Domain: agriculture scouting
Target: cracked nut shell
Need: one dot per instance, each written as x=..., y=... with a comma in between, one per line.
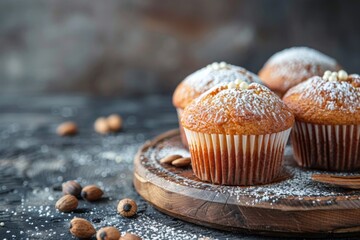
x=108, y=233
x=72, y=188
x=127, y=207
x=91, y=193
x=81, y=228
x=67, y=203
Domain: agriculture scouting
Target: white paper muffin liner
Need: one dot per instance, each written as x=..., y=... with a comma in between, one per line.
x=326, y=147
x=237, y=159
x=182, y=133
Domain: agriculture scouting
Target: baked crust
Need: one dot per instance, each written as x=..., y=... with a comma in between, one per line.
x=320, y=101
x=289, y=67
x=202, y=80
x=252, y=111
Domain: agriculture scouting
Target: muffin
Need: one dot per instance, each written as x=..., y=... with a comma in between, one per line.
x=291, y=66
x=327, y=128
x=204, y=79
x=237, y=134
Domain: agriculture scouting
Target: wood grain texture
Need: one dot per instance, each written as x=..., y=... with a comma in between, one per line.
x=349, y=182
x=162, y=186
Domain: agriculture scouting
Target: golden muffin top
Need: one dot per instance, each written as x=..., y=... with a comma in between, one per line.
x=202, y=80
x=291, y=66
x=333, y=99
x=238, y=108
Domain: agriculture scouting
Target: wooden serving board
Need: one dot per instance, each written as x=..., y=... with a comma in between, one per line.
x=294, y=205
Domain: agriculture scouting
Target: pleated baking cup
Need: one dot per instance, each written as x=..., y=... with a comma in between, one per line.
x=237, y=159
x=182, y=132
x=326, y=147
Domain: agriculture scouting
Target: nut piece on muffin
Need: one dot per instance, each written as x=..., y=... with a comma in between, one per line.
x=237, y=134
x=202, y=80
x=291, y=66
x=326, y=134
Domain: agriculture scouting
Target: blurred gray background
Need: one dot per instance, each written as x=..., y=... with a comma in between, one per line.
x=139, y=47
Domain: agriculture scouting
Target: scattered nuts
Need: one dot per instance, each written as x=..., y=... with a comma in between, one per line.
x=67, y=203
x=238, y=81
x=342, y=75
x=215, y=66
x=176, y=160
x=327, y=73
x=222, y=64
x=67, y=129
x=243, y=85
x=182, y=162
x=130, y=236
x=72, y=188
x=169, y=159
x=114, y=122
x=91, y=193
x=231, y=85
x=108, y=233
x=127, y=207
x=81, y=228
x=101, y=126
x=335, y=76
x=332, y=78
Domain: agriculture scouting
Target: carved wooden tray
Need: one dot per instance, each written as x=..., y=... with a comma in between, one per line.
x=294, y=205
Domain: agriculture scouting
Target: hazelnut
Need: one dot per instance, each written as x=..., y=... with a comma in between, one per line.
x=91, y=193
x=67, y=203
x=108, y=233
x=127, y=207
x=114, y=122
x=72, y=188
x=81, y=228
x=130, y=236
x=101, y=126
x=67, y=129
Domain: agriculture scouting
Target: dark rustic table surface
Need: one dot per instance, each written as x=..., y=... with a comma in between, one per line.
x=34, y=161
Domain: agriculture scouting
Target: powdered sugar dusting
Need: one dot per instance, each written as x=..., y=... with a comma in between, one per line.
x=302, y=55
x=207, y=77
x=300, y=63
x=221, y=105
x=330, y=95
